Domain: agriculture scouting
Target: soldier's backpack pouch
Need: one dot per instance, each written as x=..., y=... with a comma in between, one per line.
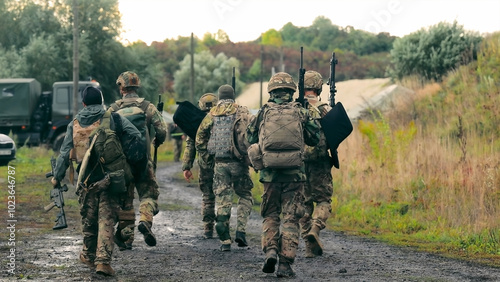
x=117, y=182
x=255, y=156
x=281, y=136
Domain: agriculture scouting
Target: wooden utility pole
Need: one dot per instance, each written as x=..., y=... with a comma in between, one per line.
x=76, y=66
x=261, y=72
x=191, y=77
x=282, y=65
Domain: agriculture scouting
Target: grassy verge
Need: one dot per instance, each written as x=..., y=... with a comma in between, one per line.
x=427, y=175
x=32, y=190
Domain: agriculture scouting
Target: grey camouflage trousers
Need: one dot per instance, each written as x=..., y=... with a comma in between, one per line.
x=206, y=180
x=231, y=178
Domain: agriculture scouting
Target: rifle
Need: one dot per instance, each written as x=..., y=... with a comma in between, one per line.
x=233, y=80
x=302, y=72
x=331, y=80
x=56, y=196
x=159, y=107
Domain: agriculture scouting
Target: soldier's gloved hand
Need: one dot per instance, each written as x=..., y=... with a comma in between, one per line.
x=188, y=175
x=54, y=182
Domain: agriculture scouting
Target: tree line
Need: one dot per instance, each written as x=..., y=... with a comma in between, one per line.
x=36, y=41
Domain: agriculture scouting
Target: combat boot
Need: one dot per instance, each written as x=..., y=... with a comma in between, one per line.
x=104, y=269
x=241, y=239
x=86, y=260
x=225, y=247
x=208, y=231
x=145, y=228
x=270, y=262
x=285, y=270
x=309, y=253
x=313, y=238
x=120, y=243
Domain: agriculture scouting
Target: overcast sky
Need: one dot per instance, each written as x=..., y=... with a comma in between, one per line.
x=245, y=20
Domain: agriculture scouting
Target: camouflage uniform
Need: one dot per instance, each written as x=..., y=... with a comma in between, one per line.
x=283, y=188
x=177, y=135
x=146, y=184
x=98, y=208
x=205, y=181
x=319, y=187
x=231, y=175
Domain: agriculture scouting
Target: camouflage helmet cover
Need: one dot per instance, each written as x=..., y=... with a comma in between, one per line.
x=207, y=101
x=313, y=80
x=128, y=79
x=281, y=80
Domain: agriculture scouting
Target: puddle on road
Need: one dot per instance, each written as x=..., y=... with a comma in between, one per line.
x=57, y=251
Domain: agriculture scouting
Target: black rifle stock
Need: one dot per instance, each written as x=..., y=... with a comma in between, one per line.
x=331, y=80
x=302, y=72
x=159, y=107
x=56, y=196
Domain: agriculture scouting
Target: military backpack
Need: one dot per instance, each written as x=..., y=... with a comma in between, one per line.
x=134, y=109
x=107, y=154
x=281, y=136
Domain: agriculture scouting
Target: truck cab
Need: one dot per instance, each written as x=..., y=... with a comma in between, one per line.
x=24, y=110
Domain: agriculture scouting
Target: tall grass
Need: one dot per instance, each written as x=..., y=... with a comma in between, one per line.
x=430, y=170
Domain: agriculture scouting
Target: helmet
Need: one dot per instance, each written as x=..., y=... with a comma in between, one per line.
x=128, y=79
x=226, y=91
x=281, y=80
x=207, y=101
x=313, y=80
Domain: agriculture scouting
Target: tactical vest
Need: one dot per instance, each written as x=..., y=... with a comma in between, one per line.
x=134, y=109
x=220, y=143
x=81, y=140
x=281, y=136
x=107, y=154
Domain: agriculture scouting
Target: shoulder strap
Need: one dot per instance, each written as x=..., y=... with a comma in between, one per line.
x=106, y=120
x=144, y=104
x=117, y=121
x=116, y=105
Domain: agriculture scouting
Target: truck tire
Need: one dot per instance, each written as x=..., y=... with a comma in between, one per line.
x=56, y=145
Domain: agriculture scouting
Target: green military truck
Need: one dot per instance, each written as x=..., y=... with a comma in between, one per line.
x=34, y=116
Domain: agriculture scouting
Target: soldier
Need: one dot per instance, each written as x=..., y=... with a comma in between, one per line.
x=98, y=202
x=319, y=187
x=176, y=133
x=206, y=174
x=282, y=174
x=215, y=136
x=144, y=116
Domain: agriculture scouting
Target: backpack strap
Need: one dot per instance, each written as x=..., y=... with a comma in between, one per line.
x=117, y=122
x=144, y=104
x=116, y=105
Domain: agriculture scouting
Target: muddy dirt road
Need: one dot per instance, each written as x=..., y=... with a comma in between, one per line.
x=183, y=255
